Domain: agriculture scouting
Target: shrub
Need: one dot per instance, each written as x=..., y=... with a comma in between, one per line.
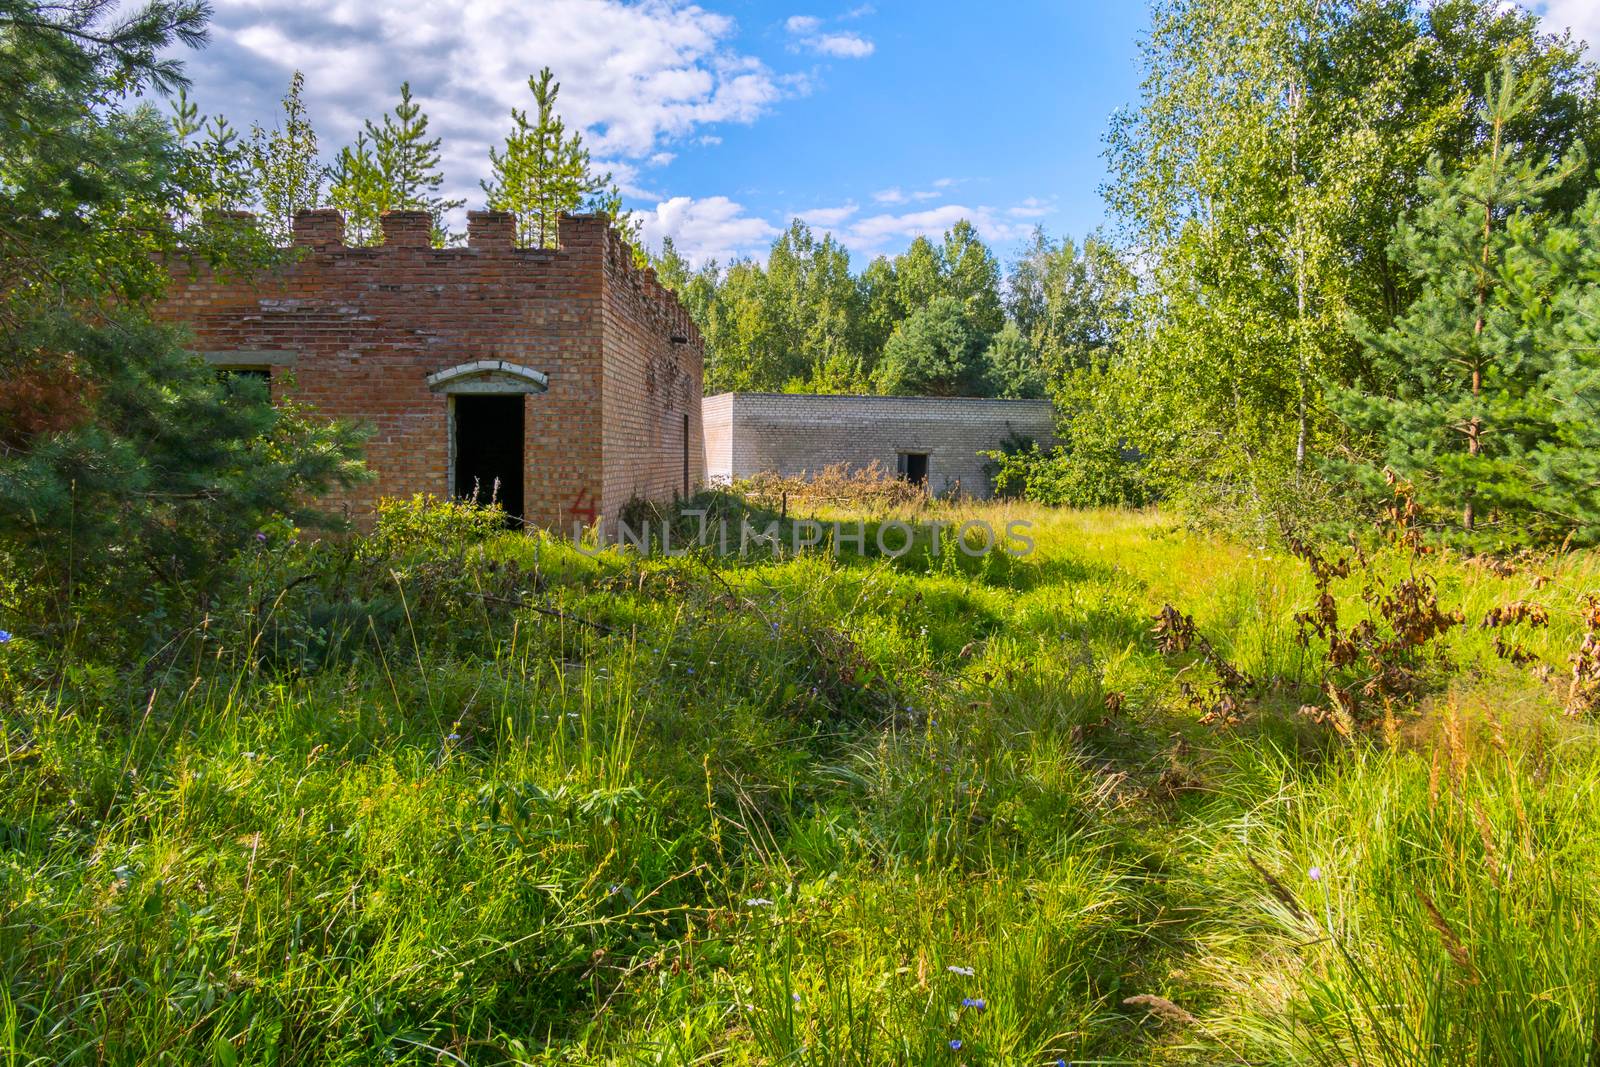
x=1084, y=474
x=425, y=524
x=842, y=484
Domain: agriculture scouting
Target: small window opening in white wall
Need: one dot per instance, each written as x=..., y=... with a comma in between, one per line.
x=913, y=467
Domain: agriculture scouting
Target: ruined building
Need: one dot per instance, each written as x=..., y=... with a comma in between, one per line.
x=934, y=441
x=567, y=382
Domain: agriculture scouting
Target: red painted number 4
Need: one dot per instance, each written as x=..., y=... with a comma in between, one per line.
x=583, y=508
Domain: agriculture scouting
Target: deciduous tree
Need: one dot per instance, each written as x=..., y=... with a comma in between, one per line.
x=288, y=176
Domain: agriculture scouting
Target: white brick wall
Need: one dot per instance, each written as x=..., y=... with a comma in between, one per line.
x=796, y=435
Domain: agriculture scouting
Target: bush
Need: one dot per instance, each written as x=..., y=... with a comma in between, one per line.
x=1082, y=475
x=842, y=484
x=139, y=496
x=427, y=524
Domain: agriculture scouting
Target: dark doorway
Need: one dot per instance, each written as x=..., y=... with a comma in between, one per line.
x=489, y=437
x=914, y=467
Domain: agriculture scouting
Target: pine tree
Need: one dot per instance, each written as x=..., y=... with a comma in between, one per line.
x=216, y=163
x=358, y=187
x=126, y=467
x=1567, y=460
x=409, y=164
x=1013, y=365
x=287, y=175
x=543, y=171
x=935, y=352
x=1464, y=399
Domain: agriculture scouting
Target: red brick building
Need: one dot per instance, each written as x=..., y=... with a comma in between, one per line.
x=568, y=377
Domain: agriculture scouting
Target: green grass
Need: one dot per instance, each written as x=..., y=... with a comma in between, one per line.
x=774, y=812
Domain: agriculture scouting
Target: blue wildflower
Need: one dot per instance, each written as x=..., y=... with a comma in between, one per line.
x=955, y=1044
x=5, y=637
x=975, y=1002
x=796, y=997
x=453, y=737
x=261, y=536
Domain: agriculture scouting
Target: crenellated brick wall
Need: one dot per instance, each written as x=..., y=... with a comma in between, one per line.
x=357, y=333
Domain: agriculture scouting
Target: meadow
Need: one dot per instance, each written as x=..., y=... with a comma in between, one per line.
x=448, y=795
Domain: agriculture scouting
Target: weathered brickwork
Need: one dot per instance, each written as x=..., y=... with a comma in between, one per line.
x=654, y=447
x=359, y=332
x=751, y=433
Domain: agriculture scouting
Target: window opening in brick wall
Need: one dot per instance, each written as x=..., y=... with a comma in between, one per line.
x=488, y=449
x=913, y=467
x=230, y=376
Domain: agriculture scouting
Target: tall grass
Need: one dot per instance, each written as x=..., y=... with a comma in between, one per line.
x=480, y=798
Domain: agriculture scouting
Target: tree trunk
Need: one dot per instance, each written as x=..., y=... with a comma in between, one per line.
x=1480, y=320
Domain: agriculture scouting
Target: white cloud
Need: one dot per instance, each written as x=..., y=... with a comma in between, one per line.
x=721, y=229
x=891, y=232
x=1032, y=208
x=710, y=228
x=896, y=195
x=1581, y=16
x=841, y=45
x=828, y=217
x=636, y=77
x=809, y=36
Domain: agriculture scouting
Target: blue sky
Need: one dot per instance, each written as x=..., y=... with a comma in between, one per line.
x=724, y=119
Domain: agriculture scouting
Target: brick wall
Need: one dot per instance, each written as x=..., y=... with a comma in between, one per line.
x=356, y=332
x=798, y=435
x=654, y=447
x=717, y=415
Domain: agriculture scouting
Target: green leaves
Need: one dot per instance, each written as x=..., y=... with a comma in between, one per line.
x=1469, y=380
x=935, y=352
x=125, y=464
x=358, y=187
x=1273, y=151
x=544, y=171
x=288, y=177
x=393, y=166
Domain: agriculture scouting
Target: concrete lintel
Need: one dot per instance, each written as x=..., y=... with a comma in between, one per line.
x=250, y=357
x=489, y=376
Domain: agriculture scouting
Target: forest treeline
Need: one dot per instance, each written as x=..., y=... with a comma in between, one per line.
x=1352, y=245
